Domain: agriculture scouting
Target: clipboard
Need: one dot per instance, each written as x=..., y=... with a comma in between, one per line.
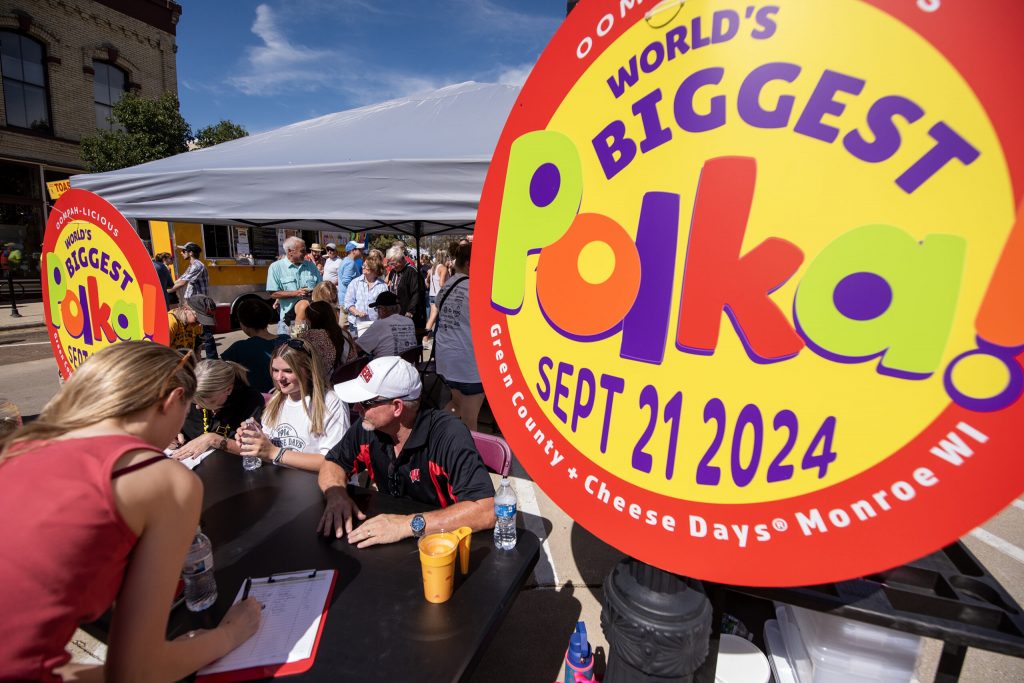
x=289, y=580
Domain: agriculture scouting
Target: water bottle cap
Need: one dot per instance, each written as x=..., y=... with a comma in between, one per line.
x=579, y=648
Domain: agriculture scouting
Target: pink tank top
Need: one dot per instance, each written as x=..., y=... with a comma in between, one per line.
x=65, y=548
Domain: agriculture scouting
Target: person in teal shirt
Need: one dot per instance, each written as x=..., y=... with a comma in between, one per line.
x=291, y=278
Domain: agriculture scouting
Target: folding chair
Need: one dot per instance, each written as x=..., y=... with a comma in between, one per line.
x=349, y=370
x=495, y=453
x=413, y=355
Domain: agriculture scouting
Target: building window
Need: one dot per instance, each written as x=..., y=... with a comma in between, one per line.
x=145, y=234
x=107, y=86
x=23, y=67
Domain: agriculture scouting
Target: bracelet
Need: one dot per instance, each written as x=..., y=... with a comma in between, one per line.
x=280, y=454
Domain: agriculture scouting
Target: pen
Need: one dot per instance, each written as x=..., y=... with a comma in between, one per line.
x=245, y=591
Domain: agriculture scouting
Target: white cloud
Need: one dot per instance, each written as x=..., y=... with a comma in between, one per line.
x=333, y=7
x=278, y=65
x=514, y=75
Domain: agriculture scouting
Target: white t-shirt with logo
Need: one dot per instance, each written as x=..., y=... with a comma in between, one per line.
x=388, y=336
x=292, y=428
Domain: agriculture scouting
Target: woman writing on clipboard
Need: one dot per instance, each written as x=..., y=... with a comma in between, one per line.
x=94, y=512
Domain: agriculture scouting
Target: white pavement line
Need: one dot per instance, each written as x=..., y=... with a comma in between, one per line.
x=534, y=522
x=11, y=346
x=1019, y=504
x=1005, y=547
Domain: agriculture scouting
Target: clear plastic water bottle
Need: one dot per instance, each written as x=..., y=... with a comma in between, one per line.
x=200, y=585
x=249, y=462
x=505, y=511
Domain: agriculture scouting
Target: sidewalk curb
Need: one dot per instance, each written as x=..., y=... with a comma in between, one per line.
x=22, y=326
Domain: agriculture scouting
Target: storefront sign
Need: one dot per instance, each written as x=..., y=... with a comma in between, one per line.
x=99, y=283
x=57, y=188
x=745, y=282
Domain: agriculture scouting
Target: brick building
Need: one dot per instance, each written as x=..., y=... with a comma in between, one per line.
x=63, y=64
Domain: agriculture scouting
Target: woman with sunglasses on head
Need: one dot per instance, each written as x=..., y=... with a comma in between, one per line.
x=96, y=515
x=304, y=418
x=222, y=402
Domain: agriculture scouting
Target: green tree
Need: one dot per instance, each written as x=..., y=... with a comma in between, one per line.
x=148, y=130
x=218, y=133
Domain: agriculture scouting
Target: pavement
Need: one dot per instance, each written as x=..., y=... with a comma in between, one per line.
x=32, y=316
x=566, y=585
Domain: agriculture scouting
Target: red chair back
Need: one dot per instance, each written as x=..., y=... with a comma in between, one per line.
x=495, y=453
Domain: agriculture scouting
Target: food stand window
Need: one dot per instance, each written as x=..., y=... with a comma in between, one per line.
x=22, y=65
x=226, y=241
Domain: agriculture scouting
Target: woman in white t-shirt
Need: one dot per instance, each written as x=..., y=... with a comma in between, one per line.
x=304, y=418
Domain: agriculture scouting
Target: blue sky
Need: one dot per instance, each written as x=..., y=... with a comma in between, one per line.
x=267, y=64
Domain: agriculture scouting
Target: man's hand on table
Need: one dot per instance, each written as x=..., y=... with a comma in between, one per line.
x=197, y=446
x=381, y=529
x=340, y=513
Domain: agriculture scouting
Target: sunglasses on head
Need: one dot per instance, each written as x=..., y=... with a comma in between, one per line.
x=296, y=344
x=187, y=359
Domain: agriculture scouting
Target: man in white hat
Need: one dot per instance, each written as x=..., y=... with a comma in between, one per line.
x=420, y=453
x=332, y=261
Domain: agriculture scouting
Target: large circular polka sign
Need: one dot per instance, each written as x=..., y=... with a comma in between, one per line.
x=747, y=282
x=99, y=283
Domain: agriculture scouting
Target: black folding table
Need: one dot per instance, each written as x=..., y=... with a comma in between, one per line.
x=379, y=626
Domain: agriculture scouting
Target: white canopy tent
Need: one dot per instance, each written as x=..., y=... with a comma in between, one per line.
x=414, y=165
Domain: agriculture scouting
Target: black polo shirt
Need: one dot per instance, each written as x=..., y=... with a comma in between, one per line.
x=439, y=464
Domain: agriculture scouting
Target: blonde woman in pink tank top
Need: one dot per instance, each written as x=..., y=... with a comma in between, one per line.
x=95, y=513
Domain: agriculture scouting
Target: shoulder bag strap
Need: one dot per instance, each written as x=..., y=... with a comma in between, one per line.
x=440, y=303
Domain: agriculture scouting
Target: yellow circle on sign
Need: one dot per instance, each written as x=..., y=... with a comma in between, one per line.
x=808, y=192
x=596, y=262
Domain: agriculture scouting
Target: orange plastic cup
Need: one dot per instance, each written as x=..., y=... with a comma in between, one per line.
x=437, y=559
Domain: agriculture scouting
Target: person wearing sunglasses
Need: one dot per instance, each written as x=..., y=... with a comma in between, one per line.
x=408, y=451
x=94, y=515
x=303, y=419
x=291, y=278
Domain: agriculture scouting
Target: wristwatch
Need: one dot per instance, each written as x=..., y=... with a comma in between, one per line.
x=418, y=526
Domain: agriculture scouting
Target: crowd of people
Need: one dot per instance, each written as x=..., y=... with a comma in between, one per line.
x=333, y=299
x=98, y=452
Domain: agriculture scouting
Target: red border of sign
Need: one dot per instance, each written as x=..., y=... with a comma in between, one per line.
x=971, y=39
x=128, y=242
